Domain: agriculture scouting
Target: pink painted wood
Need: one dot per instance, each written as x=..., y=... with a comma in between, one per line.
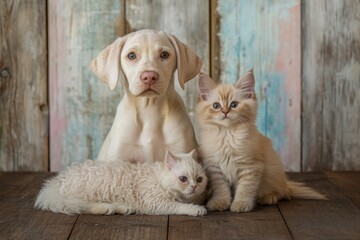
x=266, y=35
x=81, y=107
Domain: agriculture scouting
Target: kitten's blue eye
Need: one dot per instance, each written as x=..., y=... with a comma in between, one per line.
x=216, y=105
x=183, y=179
x=131, y=56
x=234, y=104
x=199, y=179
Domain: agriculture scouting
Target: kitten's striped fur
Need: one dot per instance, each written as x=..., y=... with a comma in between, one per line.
x=242, y=166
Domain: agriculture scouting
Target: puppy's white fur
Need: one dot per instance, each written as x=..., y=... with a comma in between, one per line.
x=149, y=118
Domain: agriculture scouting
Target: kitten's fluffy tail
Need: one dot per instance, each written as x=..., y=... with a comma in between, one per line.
x=49, y=198
x=298, y=190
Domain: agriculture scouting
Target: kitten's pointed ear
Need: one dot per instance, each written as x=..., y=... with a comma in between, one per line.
x=246, y=84
x=206, y=84
x=193, y=154
x=170, y=161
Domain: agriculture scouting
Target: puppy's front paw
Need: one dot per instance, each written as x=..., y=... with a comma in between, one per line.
x=218, y=204
x=241, y=206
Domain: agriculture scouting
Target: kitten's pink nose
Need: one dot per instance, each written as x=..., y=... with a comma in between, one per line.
x=194, y=186
x=149, y=77
x=225, y=112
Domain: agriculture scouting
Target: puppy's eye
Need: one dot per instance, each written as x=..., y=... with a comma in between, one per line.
x=216, y=105
x=183, y=179
x=164, y=55
x=131, y=56
x=199, y=179
x=234, y=104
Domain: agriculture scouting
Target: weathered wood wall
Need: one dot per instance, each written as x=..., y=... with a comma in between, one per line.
x=331, y=85
x=305, y=54
x=265, y=35
x=23, y=86
x=81, y=107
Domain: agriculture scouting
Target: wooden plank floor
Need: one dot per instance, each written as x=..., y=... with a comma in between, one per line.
x=338, y=218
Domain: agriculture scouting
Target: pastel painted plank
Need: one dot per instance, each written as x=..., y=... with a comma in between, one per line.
x=331, y=83
x=82, y=108
x=265, y=35
x=23, y=86
x=189, y=21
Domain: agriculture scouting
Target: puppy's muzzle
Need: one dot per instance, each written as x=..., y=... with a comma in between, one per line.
x=149, y=77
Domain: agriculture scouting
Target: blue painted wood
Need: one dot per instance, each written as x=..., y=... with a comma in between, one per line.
x=265, y=35
x=82, y=107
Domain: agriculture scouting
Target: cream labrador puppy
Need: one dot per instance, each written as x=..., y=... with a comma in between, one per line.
x=151, y=117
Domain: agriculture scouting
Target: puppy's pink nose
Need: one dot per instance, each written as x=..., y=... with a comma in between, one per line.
x=149, y=77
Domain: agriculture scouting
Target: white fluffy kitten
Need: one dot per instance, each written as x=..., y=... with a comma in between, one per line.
x=94, y=187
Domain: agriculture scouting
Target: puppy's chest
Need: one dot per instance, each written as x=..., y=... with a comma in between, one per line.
x=147, y=136
x=149, y=142
x=151, y=134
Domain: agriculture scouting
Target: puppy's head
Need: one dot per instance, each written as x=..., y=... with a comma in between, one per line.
x=146, y=61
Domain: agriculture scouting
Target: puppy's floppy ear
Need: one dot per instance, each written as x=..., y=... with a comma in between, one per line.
x=107, y=65
x=187, y=62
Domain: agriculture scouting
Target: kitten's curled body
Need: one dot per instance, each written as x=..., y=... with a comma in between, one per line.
x=126, y=188
x=241, y=163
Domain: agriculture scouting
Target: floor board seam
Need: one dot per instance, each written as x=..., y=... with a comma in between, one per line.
x=168, y=226
x=287, y=226
x=72, y=229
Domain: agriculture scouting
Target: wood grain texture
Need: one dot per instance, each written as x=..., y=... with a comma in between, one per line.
x=348, y=182
x=19, y=219
x=82, y=108
x=215, y=59
x=266, y=35
x=262, y=223
x=189, y=21
x=23, y=86
x=12, y=183
x=337, y=218
x=231, y=36
x=120, y=227
x=331, y=83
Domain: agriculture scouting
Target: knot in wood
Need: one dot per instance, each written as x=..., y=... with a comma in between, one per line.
x=4, y=73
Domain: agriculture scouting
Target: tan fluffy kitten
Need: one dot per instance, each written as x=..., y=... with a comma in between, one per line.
x=240, y=161
x=172, y=186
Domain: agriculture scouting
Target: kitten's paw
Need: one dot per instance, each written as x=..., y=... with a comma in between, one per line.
x=218, y=204
x=241, y=206
x=101, y=209
x=124, y=210
x=268, y=199
x=200, y=211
